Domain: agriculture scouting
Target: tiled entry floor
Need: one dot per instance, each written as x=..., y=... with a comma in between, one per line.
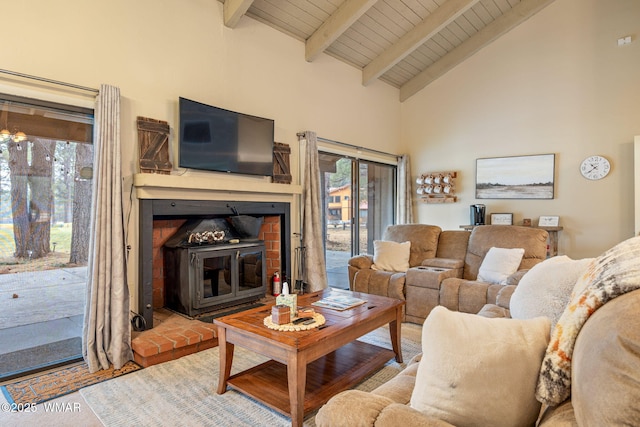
x=41, y=316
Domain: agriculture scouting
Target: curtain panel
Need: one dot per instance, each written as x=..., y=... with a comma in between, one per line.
x=106, y=333
x=404, y=207
x=312, y=238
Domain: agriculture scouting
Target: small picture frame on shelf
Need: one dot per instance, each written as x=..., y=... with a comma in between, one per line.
x=548, y=221
x=501, y=219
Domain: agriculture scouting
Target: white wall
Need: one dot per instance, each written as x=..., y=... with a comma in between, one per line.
x=559, y=84
x=158, y=50
x=636, y=180
x=556, y=84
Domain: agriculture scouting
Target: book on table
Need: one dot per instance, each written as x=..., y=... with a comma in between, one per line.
x=339, y=302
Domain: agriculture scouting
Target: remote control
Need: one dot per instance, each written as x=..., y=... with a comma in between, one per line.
x=301, y=319
x=308, y=322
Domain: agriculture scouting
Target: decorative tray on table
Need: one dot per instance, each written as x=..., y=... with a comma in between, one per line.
x=319, y=321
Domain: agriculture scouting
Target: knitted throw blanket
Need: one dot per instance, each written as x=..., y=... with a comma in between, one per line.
x=614, y=273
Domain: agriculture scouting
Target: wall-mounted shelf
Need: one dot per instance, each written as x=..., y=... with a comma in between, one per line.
x=437, y=187
x=438, y=198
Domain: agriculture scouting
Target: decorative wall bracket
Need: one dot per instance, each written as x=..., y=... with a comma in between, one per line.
x=281, y=164
x=437, y=187
x=153, y=140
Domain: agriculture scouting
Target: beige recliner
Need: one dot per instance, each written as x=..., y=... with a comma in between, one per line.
x=424, y=244
x=466, y=293
x=456, y=257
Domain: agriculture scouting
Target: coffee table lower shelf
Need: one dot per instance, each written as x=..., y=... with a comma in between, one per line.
x=326, y=377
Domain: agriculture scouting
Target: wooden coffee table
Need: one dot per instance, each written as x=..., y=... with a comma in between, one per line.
x=308, y=367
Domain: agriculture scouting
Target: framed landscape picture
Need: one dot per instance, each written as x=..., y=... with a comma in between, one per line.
x=517, y=177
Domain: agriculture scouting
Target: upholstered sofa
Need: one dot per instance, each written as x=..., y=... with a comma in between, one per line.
x=566, y=353
x=605, y=387
x=443, y=267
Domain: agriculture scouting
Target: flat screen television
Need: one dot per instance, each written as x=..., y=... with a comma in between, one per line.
x=216, y=139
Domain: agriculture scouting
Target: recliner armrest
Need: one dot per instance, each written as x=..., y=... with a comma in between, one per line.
x=503, y=299
x=515, y=278
x=443, y=263
x=361, y=261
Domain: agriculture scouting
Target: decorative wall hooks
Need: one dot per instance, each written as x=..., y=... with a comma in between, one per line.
x=437, y=187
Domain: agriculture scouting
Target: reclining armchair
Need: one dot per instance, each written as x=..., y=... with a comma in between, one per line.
x=467, y=293
x=424, y=244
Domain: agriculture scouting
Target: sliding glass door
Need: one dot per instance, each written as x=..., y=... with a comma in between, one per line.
x=359, y=203
x=46, y=167
x=376, y=201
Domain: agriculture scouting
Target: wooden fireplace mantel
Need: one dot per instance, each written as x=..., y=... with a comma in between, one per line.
x=158, y=186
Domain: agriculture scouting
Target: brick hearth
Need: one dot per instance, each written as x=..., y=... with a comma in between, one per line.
x=172, y=337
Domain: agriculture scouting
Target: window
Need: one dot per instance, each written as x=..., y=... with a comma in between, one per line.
x=352, y=228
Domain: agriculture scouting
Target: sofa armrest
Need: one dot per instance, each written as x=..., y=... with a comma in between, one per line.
x=379, y=282
x=443, y=263
x=467, y=296
x=351, y=407
x=515, y=278
x=361, y=261
x=396, y=415
x=504, y=296
x=494, y=311
x=356, y=264
x=359, y=408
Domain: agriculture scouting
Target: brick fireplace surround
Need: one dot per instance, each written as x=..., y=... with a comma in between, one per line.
x=169, y=335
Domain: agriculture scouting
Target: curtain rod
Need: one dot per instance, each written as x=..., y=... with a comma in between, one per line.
x=344, y=144
x=55, y=82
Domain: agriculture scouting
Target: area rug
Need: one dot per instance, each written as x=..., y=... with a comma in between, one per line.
x=59, y=382
x=183, y=391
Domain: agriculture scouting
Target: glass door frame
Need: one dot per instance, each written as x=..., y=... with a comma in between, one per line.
x=355, y=216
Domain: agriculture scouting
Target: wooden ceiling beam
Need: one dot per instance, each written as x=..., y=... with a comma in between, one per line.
x=506, y=22
x=415, y=38
x=233, y=10
x=348, y=13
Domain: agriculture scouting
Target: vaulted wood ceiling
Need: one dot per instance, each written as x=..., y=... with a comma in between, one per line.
x=405, y=43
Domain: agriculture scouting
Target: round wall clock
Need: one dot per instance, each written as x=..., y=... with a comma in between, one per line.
x=595, y=167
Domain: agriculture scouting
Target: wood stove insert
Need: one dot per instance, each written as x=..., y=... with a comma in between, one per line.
x=203, y=278
x=152, y=209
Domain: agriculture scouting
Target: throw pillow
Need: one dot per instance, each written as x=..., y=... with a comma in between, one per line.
x=478, y=371
x=614, y=273
x=498, y=264
x=391, y=256
x=546, y=288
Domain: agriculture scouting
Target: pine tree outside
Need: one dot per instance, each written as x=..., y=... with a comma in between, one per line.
x=45, y=186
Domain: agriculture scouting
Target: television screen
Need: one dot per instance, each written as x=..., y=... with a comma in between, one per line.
x=216, y=139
